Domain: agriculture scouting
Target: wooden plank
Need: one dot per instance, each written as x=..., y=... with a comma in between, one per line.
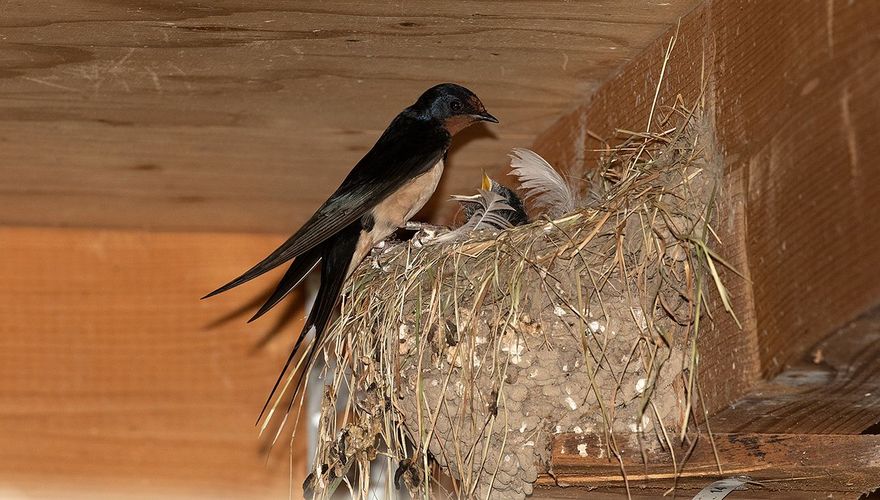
x=728, y=358
x=781, y=462
x=117, y=381
x=792, y=101
x=639, y=493
x=833, y=389
x=165, y=114
x=804, y=137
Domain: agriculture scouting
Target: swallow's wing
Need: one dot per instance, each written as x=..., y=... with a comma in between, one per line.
x=408, y=148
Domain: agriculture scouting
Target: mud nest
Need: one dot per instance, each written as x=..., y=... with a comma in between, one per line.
x=459, y=362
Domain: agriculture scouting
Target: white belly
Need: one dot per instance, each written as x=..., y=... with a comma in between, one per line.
x=396, y=210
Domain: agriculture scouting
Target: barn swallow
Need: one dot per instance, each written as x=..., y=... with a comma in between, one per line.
x=516, y=216
x=381, y=193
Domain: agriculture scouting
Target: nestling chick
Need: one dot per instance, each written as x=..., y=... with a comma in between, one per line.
x=515, y=215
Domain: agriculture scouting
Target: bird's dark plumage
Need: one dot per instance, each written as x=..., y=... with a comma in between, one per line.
x=383, y=190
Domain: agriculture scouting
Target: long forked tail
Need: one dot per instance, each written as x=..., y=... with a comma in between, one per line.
x=336, y=255
x=288, y=250
x=295, y=274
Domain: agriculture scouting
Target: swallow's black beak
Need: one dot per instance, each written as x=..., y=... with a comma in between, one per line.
x=486, y=117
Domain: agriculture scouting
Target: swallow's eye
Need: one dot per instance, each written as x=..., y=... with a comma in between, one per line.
x=455, y=106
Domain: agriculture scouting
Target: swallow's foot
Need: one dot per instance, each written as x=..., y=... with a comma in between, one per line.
x=377, y=252
x=425, y=236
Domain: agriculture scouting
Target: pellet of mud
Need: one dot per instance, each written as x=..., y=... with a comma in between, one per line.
x=550, y=390
x=516, y=392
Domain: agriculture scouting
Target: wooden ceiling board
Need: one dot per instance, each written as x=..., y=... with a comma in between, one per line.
x=244, y=115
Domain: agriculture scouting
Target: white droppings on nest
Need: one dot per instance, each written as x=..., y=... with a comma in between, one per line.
x=405, y=344
x=642, y=426
x=596, y=327
x=477, y=362
x=504, y=279
x=639, y=316
x=514, y=346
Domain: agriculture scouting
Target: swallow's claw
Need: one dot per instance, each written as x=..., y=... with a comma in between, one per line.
x=424, y=236
x=377, y=252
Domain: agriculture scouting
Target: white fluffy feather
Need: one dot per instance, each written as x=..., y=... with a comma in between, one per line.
x=541, y=183
x=488, y=216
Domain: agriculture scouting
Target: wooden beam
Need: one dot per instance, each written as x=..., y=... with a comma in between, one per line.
x=244, y=115
x=792, y=101
x=833, y=389
x=117, y=381
x=781, y=462
x=640, y=493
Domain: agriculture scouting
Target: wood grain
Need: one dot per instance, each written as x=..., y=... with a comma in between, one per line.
x=729, y=362
x=792, y=100
x=780, y=461
x=640, y=493
x=244, y=115
x=116, y=381
x=805, y=139
x=833, y=389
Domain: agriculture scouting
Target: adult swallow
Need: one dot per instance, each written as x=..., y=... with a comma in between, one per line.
x=382, y=192
x=516, y=216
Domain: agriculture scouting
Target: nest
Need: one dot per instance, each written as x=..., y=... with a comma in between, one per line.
x=459, y=362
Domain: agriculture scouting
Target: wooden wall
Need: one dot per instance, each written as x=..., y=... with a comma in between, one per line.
x=792, y=100
x=791, y=92
x=115, y=380
x=243, y=115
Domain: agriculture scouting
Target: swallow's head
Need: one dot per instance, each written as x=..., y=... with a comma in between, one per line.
x=454, y=106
